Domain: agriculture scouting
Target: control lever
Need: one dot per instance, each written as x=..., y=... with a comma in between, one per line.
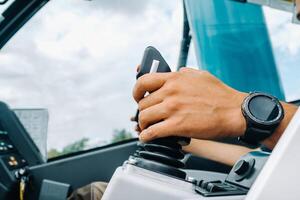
x=163, y=155
x=153, y=62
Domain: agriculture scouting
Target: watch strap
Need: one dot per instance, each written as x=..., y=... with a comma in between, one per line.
x=253, y=136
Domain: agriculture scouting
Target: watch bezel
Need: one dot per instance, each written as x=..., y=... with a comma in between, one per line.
x=246, y=111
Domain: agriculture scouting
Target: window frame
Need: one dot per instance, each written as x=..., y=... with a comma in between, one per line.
x=16, y=16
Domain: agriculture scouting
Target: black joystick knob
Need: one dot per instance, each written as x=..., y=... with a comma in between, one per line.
x=241, y=167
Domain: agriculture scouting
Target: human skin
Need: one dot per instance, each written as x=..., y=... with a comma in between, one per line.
x=193, y=103
x=224, y=153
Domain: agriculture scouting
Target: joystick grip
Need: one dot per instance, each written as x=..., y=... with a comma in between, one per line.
x=162, y=155
x=154, y=62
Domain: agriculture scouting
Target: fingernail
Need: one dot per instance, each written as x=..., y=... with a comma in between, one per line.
x=144, y=135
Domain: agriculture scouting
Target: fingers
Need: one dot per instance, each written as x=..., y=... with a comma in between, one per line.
x=152, y=115
x=152, y=99
x=158, y=130
x=137, y=129
x=149, y=83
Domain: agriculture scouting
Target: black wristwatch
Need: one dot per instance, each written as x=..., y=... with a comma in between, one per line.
x=263, y=113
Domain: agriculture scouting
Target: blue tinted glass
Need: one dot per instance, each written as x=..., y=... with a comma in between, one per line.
x=232, y=42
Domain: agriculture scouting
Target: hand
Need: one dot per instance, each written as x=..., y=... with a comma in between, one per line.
x=136, y=128
x=188, y=103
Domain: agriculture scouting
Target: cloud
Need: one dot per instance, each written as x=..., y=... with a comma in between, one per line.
x=78, y=58
x=79, y=62
x=131, y=7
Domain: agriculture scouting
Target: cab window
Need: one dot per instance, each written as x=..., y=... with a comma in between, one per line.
x=78, y=59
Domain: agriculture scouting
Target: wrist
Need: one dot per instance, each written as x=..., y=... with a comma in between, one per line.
x=234, y=121
x=241, y=124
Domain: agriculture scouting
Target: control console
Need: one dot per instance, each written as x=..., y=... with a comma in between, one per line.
x=17, y=150
x=147, y=184
x=240, y=178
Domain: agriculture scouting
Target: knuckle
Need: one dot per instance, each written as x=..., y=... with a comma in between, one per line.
x=173, y=77
x=148, y=77
x=178, y=121
x=169, y=88
x=140, y=82
x=171, y=105
x=184, y=69
x=164, y=112
x=134, y=91
x=152, y=133
x=206, y=73
x=140, y=86
x=141, y=105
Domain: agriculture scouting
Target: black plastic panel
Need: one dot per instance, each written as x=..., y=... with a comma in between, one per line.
x=17, y=150
x=80, y=170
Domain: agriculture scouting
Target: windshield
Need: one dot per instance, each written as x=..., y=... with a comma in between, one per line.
x=78, y=59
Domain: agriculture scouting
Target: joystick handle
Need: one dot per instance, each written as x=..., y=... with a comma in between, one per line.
x=163, y=155
x=153, y=62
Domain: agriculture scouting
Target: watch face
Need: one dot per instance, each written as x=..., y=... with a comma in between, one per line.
x=264, y=109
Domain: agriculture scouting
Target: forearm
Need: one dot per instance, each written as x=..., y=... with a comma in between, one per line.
x=289, y=111
x=224, y=153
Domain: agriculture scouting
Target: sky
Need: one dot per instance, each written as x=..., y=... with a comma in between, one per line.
x=78, y=59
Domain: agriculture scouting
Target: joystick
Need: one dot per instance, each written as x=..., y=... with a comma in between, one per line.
x=155, y=170
x=163, y=155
